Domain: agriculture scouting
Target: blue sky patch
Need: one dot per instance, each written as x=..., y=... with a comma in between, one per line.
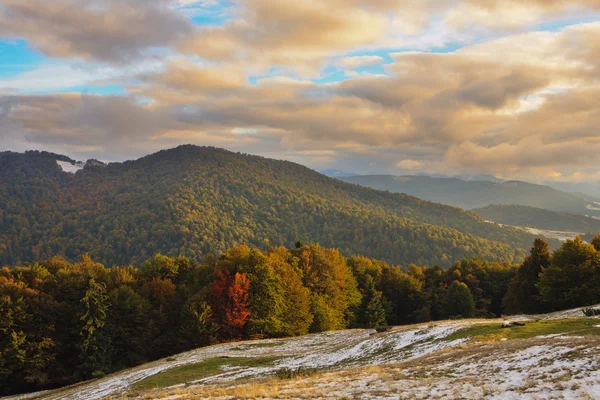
x=209, y=14
x=104, y=90
x=16, y=57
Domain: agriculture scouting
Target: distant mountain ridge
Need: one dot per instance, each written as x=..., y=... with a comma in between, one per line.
x=336, y=173
x=194, y=200
x=478, y=194
x=539, y=218
x=584, y=190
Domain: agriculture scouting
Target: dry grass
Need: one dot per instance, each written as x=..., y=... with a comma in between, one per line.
x=379, y=380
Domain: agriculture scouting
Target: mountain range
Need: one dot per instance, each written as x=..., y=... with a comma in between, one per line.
x=198, y=200
x=478, y=194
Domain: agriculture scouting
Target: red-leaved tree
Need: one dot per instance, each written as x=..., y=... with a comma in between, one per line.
x=230, y=300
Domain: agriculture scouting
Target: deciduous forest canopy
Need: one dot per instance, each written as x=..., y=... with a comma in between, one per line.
x=196, y=200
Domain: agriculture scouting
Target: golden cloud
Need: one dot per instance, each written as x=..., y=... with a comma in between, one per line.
x=522, y=103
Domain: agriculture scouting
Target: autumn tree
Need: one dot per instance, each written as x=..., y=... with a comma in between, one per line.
x=230, y=300
x=296, y=317
x=160, y=266
x=334, y=291
x=596, y=242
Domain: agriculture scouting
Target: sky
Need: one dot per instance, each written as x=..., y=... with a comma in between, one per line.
x=509, y=88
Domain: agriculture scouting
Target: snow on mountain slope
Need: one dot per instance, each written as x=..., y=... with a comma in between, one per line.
x=70, y=168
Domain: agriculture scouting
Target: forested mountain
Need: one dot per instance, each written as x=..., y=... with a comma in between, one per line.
x=196, y=200
x=477, y=194
x=538, y=218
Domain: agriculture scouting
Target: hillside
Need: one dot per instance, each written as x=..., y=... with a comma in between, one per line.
x=196, y=200
x=477, y=194
x=550, y=356
x=538, y=218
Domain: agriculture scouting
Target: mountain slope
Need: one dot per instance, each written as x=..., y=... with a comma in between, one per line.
x=477, y=194
x=195, y=200
x=538, y=218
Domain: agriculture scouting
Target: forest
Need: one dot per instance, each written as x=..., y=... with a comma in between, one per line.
x=63, y=322
x=196, y=200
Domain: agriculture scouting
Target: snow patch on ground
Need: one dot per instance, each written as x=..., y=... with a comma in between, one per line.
x=353, y=349
x=594, y=207
x=551, y=234
x=534, y=369
x=394, y=346
x=559, y=235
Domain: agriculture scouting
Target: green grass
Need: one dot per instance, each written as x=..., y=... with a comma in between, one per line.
x=572, y=326
x=194, y=372
x=274, y=343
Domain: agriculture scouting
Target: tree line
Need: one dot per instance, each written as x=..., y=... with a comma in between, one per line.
x=63, y=322
x=567, y=278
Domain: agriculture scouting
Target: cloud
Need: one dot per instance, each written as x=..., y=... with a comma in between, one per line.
x=200, y=80
x=115, y=31
x=529, y=152
x=12, y=135
x=516, y=103
x=306, y=34
x=354, y=62
x=303, y=33
x=411, y=164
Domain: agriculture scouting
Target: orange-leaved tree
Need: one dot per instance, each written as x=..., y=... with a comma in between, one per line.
x=230, y=300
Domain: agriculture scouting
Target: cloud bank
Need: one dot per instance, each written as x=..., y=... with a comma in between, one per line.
x=507, y=88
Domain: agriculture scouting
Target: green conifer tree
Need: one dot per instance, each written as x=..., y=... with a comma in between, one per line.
x=373, y=313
